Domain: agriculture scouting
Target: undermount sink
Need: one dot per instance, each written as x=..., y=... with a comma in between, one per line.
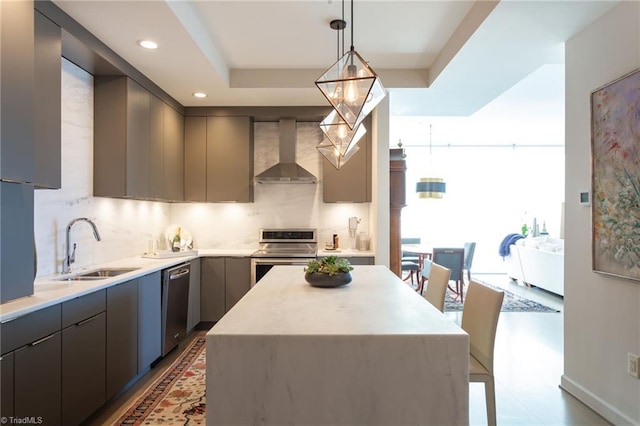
x=99, y=274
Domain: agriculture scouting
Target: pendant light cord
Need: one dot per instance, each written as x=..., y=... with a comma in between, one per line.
x=352, y=48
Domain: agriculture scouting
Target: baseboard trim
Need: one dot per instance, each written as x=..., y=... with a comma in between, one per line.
x=597, y=404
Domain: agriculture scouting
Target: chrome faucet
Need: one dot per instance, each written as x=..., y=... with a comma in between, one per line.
x=71, y=256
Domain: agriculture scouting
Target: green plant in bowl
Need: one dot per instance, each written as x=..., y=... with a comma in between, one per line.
x=328, y=272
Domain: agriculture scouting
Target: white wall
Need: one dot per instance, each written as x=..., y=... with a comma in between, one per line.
x=127, y=225
x=602, y=314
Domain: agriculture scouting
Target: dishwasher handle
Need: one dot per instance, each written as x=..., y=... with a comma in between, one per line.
x=175, y=274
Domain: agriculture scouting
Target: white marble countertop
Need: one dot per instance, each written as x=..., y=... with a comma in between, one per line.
x=50, y=290
x=345, y=252
x=372, y=352
x=284, y=303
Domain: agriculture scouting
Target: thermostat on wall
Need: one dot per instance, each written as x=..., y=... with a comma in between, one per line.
x=584, y=198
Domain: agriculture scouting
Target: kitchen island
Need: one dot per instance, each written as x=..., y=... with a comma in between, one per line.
x=372, y=352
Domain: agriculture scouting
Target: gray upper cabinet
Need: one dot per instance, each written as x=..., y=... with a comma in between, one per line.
x=156, y=147
x=352, y=183
x=48, y=96
x=17, y=94
x=138, y=143
x=173, y=154
x=195, y=158
x=230, y=159
x=219, y=159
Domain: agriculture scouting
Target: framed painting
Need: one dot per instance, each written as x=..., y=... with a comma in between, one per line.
x=615, y=177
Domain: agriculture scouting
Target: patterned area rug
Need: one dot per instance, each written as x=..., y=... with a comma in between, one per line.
x=177, y=397
x=511, y=303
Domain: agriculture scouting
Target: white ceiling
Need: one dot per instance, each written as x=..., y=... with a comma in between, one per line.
x=435, y=57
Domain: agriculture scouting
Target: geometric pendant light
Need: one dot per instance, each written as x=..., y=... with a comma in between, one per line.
x=351, y=86
x=339, y=134
x=332, y=153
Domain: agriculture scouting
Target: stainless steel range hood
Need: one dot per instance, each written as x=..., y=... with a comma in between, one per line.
x=286, y=170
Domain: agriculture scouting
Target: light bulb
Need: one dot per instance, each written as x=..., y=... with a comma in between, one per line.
x=342, y=131
x=351, y=94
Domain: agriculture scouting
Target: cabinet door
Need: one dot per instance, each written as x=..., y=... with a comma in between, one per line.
x=193, y=316
x=6, y=384
x=173, y=154
x=360, y=260
x=149, y=320
x=352, y=183
x=122, y=335
x=16, y=241
x=137, y=152
x=17, y=94
x=109, y=136
x=48, y=95
x=230, y=159
x=237, y=279
x=212, y=289
x=156, y=148
x=83, y=368
x=195, y=158
x=38, y=380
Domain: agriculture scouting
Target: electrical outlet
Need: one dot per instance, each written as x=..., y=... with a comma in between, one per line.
x=632, y=365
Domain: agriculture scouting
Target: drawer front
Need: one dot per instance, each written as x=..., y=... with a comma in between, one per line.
x=83, y=307
x=29, y=328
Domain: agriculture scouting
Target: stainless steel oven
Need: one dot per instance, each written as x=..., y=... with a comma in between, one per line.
x=283, y=247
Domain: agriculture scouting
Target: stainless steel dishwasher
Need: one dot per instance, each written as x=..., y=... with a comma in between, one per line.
x=175, y=302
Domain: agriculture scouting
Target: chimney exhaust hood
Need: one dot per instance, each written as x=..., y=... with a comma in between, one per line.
x=286, y=170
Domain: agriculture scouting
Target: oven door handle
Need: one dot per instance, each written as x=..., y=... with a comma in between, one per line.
x=261, y=261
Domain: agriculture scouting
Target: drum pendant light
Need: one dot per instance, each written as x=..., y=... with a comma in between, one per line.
x=351, y=86
x=431, y=187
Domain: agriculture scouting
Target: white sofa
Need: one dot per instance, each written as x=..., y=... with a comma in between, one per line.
x=539, y=262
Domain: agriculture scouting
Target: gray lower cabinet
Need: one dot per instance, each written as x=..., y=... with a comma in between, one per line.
x=237, y=279
x=6, y=384
x=16, y=241
x=212, y=289
x=31, y=355
x=359, y=260
x=38, y=380
x=84, y=322
x=224, y=281
x=352, y=183
x=122, y=335
x=149, y=320
x=193, y=314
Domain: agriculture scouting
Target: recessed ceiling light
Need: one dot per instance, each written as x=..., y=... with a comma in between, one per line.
x=200, y=95
x=148, y=44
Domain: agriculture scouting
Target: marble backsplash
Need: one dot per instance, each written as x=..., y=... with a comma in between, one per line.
x=126, y=225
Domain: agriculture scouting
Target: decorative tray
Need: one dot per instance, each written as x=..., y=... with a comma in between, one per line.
x=164, y=254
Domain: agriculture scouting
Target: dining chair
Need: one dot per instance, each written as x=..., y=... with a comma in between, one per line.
x=437, y=285
x=453, y=259
x=469, y=249
x=410, y=261
x=480, y=320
